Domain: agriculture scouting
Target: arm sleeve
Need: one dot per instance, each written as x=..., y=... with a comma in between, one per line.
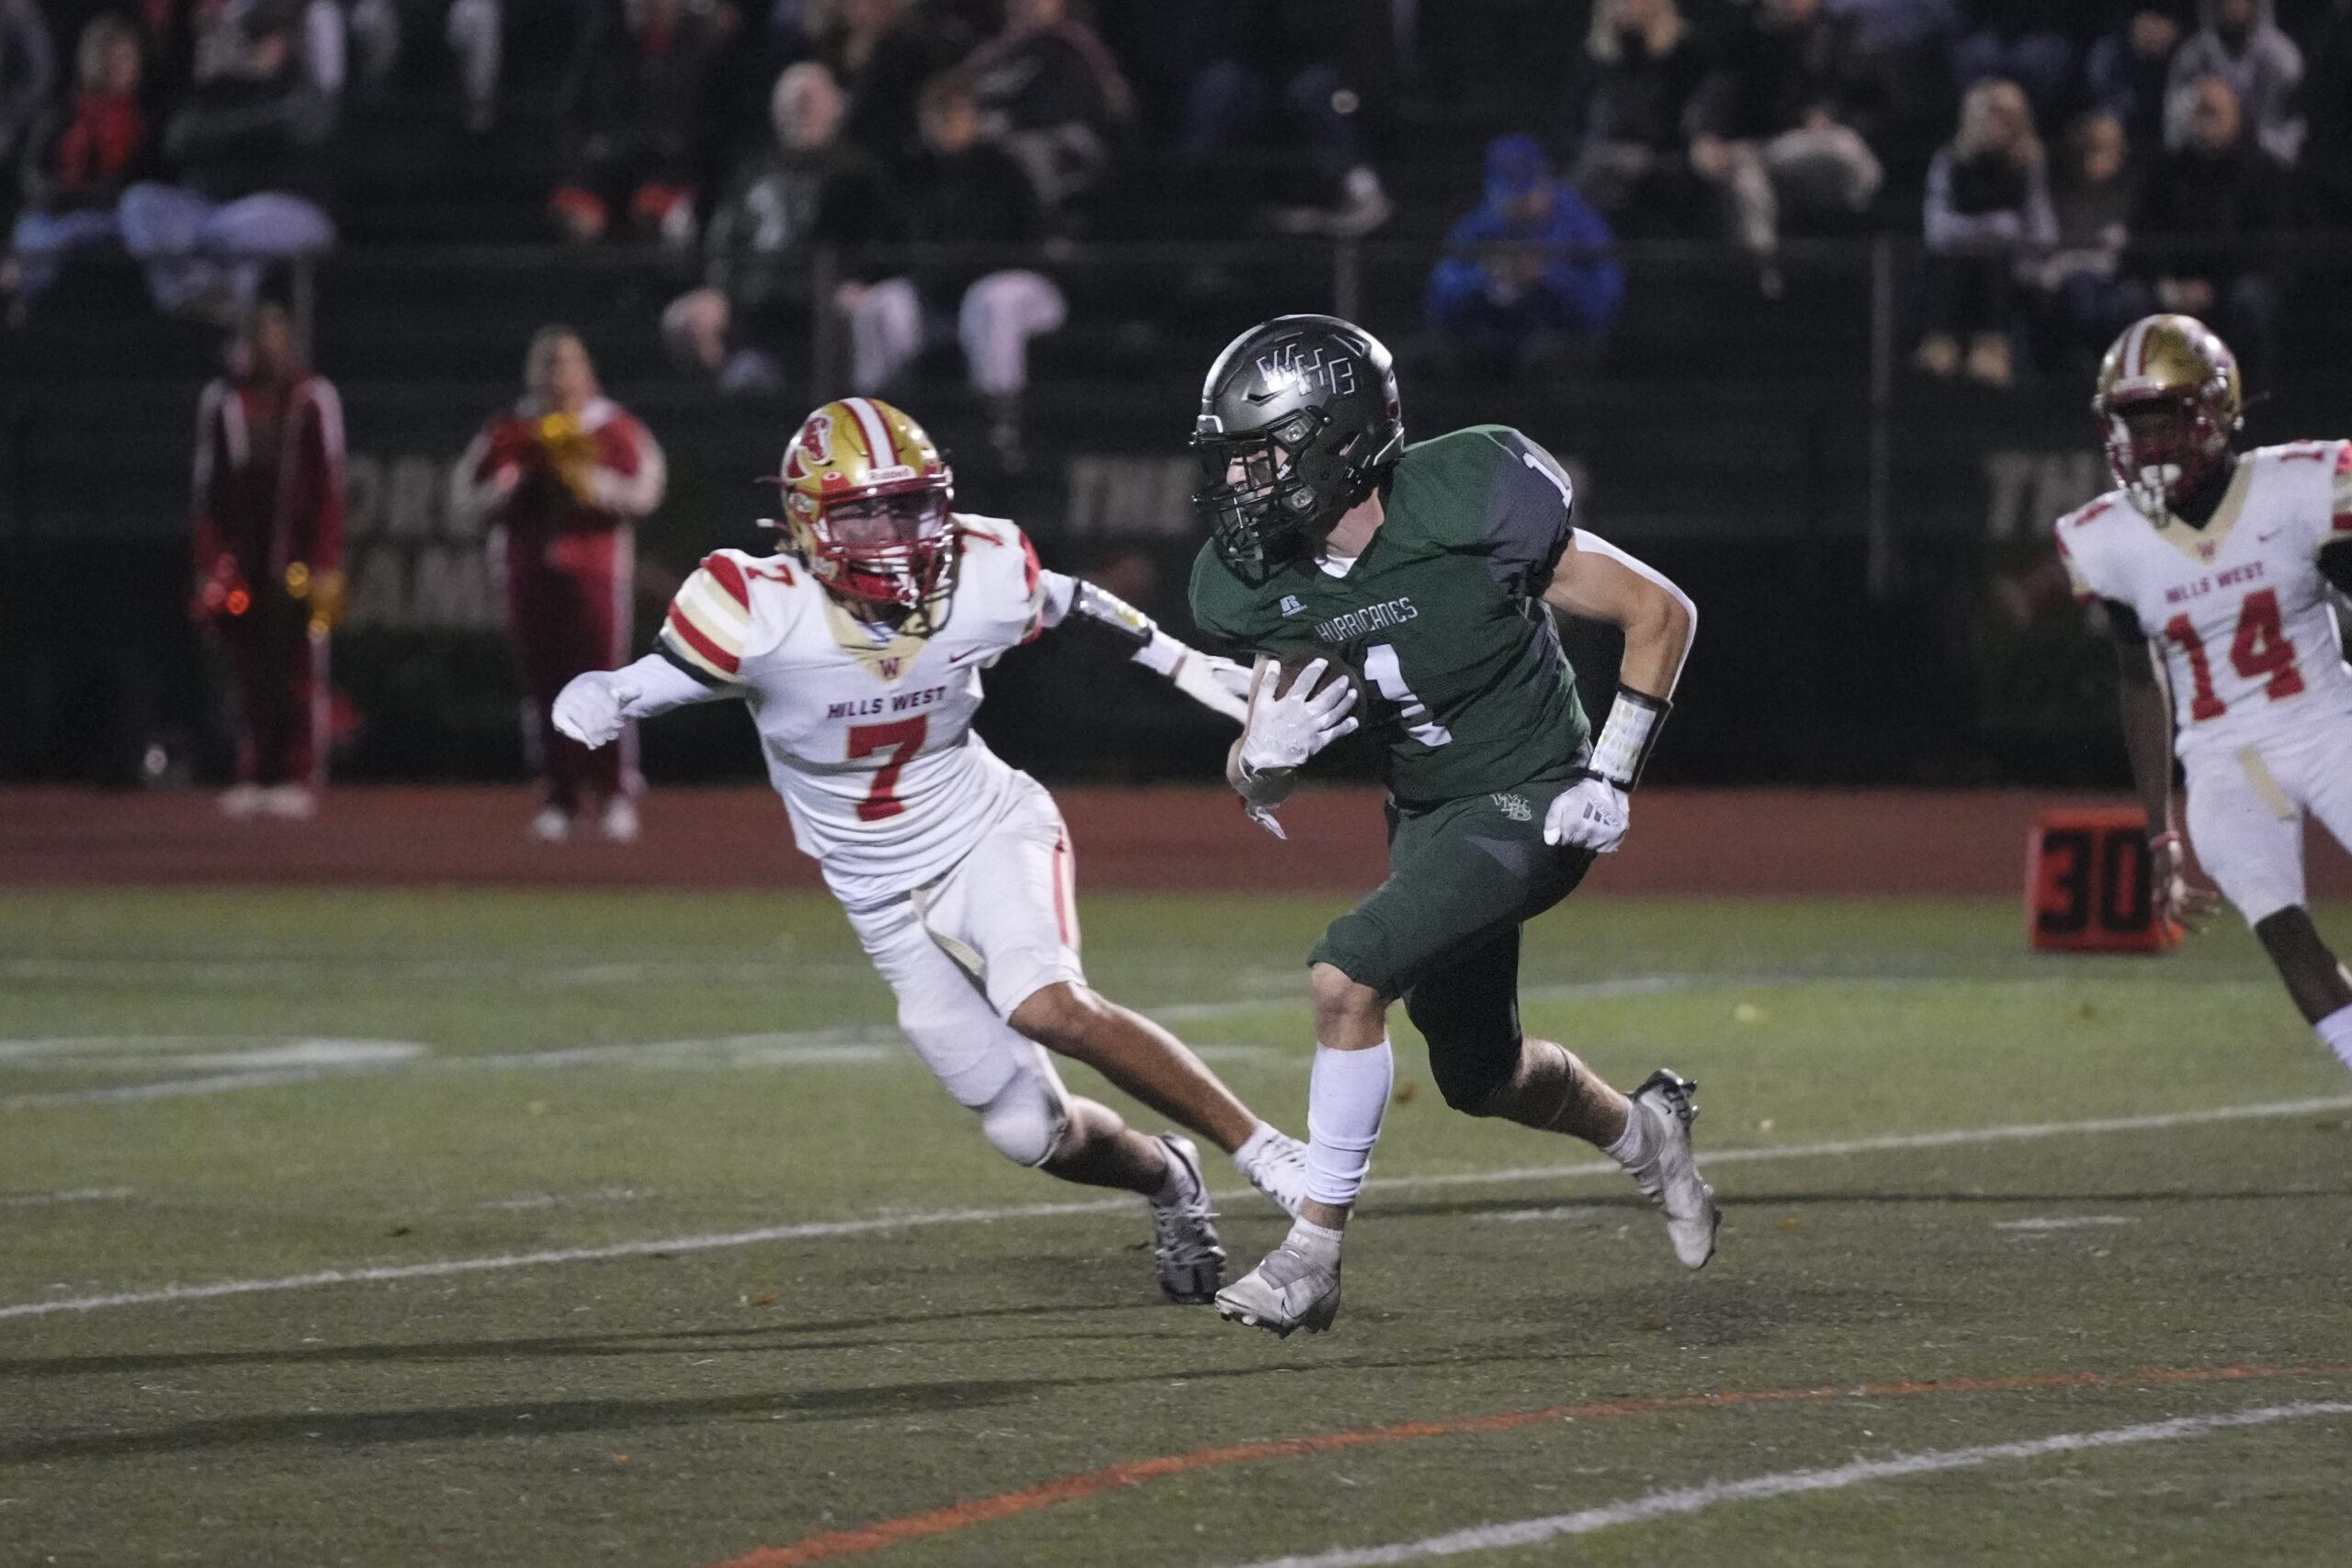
x=631, y=473
x=1530, y=509
x=664, y=683
x=710, y=622
x=2123, y=621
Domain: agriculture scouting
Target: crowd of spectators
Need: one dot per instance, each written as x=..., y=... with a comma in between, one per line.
x=2066, y=163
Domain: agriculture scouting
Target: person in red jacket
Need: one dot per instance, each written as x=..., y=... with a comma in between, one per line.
x=269, y=558
x=562, y=475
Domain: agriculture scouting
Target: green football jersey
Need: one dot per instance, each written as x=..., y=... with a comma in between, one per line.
x=1442, y=616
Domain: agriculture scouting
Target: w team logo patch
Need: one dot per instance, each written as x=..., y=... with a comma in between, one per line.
x=1515, y=807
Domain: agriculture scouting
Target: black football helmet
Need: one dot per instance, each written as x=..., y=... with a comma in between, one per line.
x=1298, y=422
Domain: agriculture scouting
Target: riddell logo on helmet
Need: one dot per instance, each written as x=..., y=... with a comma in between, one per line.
x=1286, y=370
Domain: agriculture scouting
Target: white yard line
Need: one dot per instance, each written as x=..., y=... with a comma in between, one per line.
x=1111, y=1205
x=1698, y=1499
x=78, y=1195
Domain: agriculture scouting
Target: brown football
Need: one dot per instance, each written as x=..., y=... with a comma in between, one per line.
x=1291, y=661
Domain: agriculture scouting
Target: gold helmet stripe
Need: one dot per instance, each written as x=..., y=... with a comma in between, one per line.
x=880, y=450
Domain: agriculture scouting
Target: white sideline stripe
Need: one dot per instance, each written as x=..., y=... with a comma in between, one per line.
x=2063, y=1223
x=1900, y=1140
x=77, y=1195
x=561, y=1255
x=1696, y=1499
x=1109, y=1205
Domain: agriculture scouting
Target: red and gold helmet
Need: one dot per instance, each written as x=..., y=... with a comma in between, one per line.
x=865, y=498
x=2168, y=402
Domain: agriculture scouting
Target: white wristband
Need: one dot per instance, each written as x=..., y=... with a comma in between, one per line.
x=1625, y=740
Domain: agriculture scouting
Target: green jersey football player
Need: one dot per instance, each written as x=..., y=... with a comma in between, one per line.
x=1429, y=571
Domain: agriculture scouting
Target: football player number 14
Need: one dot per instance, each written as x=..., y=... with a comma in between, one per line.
x=901, y=739
x=2260, y=649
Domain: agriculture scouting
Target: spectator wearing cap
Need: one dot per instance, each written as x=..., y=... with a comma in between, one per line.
x=1628, y=105
x=1303, y=55
x=638, y=113
x=881, y=58
x=808, y=187
x=965, y=190
x=1987, y=213
x=1051, y=95
x=2243, y=46
x=1528, y=280
x=1779, y=126
x=2129, y=69
x=2200, y=227
x=79, y=161
x=252, y=144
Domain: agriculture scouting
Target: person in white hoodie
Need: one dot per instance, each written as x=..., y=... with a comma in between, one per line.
x=2241, y=42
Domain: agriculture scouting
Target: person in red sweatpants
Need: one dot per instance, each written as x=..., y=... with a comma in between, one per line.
x=561, y=476
x=269, y=546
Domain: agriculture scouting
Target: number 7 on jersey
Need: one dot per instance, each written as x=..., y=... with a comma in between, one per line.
x=902, y=738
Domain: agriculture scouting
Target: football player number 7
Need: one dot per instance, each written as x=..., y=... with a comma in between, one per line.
x=2260, y=648
x=902, y=738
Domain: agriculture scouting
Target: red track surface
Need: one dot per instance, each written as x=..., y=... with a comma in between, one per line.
x=1736, y=842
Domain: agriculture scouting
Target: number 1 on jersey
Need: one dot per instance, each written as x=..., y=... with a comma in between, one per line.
x=1380, y=665
x=902, y=738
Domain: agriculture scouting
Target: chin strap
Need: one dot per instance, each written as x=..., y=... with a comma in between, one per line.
x=1635, y=719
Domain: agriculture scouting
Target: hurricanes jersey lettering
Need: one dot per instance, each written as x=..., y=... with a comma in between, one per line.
x=1442, y=614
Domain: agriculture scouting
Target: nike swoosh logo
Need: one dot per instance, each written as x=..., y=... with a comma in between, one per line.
x=967, y=653
x=2266, y=538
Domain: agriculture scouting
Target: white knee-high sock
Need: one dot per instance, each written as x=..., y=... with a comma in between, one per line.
x=2335, y=1032
x=1346, y=1097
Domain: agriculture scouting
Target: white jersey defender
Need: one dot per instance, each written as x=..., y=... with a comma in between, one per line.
x=867, y=732
x=2239, y=607
x=2219, y=570
x=859, y=651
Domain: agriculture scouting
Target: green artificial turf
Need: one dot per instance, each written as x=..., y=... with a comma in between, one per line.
x=763, y=1391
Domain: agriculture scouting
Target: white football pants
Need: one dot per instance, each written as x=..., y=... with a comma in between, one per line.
x=964, y=951
x=2246, y=808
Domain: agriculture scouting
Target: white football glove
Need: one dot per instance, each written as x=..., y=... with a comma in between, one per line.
x=589, y=709
x=1217, y=684
x=1589, y=814
x=1286, y=730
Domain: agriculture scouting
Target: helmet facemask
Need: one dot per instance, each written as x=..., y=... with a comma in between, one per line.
x=2162, y=447
x=1261, y=507
x=888, y=547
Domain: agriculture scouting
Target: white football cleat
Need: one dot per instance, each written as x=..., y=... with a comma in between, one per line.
x=240, y=801
x=1184, y=1241
x=552, y=826
x=619, y=824
x=1279, y=1171
x=1670, y=1176
x=1285, y=1293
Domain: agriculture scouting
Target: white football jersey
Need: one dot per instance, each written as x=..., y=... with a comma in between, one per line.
x=867, y=734
x=2238, y=606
